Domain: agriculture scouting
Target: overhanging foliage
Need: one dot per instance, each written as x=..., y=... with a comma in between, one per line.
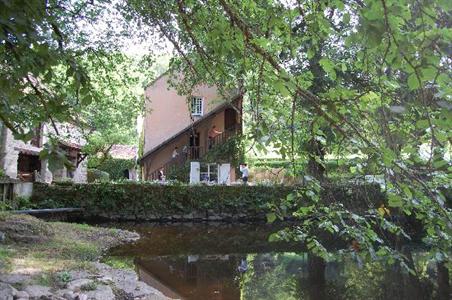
x=368, y=78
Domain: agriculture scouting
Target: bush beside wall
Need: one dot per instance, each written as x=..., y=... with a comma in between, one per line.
x=146, y=201
x=97, y=175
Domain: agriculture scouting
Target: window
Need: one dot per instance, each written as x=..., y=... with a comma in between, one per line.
x=209, y=172
x=196, y=106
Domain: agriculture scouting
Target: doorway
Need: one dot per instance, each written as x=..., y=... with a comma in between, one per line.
x=194, y=139
x=194, y=149
x=27, y=165
x=230, y=118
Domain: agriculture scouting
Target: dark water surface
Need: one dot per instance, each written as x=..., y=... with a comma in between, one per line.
x=236, y=261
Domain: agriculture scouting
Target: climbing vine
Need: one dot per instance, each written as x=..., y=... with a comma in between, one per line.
x=231, y=151
x=114, y=167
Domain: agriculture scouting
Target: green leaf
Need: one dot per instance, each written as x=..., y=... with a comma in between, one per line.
x=394, y=200
x=274, y=237
x=375, y=12
x=271, y=217
x=388, y=157
x=290, y=197
x=346, y=18
x=55, y=163
x=86, y=100
x=343, y=67
x=328, y=66
x=422, y=124
x=440, y=163
x=429, y=73
x=281, y=87
x=413, y=82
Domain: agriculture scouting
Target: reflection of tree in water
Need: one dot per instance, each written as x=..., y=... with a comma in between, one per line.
x=290, y=276
x=274, y=273
x=379, y=280
x=303, y=276
x=271, y=276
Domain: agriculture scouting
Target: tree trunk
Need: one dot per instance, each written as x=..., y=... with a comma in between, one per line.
x=443, y=281
x=315, y=148
x=316, y=154
x=316, y=277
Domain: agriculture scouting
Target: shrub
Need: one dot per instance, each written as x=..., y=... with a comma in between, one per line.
x=64, y=181
x=97, y=175
x=23, y=203
x=180, y=173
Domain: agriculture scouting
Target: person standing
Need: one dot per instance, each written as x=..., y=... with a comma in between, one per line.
x=161, y=176
x=185, y=151
x=175, y=152
x=213, y=132
x=245, y=173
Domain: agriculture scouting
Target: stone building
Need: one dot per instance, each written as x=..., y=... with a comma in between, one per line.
x=126, y=152
x=21, y=161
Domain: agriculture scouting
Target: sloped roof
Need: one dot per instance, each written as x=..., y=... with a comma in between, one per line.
x=124, y=151
x=70, y=144
x=186, y=129
x=28, y=149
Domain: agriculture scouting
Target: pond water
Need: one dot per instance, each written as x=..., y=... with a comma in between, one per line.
x=225, y=261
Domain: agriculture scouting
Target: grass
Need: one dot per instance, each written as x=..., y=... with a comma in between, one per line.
x=45, y=279
x=6, y=255
x=125, y=263
x=54, y=247
x=89, y=286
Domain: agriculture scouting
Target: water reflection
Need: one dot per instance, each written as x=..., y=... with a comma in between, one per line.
x=192, y=276
x=237, y=262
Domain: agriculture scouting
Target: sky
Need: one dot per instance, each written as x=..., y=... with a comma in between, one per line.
x=140, y=39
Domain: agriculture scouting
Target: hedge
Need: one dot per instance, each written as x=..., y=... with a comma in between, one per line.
x=146, y=201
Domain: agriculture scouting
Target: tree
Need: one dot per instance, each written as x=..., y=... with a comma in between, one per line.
x=373, y=74
x=62, y=63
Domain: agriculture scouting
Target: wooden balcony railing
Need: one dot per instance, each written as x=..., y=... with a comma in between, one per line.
x=193, y=153
x=222, y=138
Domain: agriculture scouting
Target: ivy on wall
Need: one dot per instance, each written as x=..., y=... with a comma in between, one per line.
x=114, y=167
x=231, y=151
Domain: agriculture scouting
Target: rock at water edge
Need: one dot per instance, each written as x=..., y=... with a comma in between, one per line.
x=7, y=292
